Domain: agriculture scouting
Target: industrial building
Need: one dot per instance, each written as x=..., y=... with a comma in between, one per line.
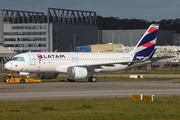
x=61, y=29
x=131, y=37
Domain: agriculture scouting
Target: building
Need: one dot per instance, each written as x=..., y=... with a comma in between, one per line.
x=131, y=37
x=176, y=39
x=61, y=29
x=23, y=31
x=101, y=48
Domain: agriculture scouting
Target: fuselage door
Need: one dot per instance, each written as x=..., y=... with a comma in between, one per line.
x=32, y=59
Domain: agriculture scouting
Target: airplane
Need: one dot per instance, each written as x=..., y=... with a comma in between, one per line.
x=83, y=65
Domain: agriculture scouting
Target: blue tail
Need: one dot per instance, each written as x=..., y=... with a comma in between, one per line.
x=146, y=46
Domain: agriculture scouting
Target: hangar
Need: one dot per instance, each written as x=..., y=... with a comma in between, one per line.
x=61, y=29
x=5, y=55
x=131, y=37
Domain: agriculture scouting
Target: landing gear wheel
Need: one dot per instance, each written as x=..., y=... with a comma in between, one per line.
x=22, y=81
x=69, y=80
x=92, y=79
x=89, y=79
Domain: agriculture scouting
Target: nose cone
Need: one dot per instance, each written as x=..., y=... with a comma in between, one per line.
x=8, y=66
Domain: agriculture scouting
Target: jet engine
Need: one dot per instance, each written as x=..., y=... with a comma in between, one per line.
x=46, y=75
x=77, y=73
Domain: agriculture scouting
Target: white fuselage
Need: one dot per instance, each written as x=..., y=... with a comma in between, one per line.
x=61, y=61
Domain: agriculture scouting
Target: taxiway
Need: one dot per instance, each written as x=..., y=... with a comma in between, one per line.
x=84, y=89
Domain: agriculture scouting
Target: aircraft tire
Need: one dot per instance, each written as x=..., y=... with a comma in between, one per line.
x=92, y=79
x=22, y=81
x=69, y=80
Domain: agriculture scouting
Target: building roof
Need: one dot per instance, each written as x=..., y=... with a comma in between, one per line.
x=5, y=52
x=107, y=47
x=101, y=48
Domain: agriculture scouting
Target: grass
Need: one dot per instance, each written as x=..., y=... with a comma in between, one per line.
x=92, y=109
x=95, y=108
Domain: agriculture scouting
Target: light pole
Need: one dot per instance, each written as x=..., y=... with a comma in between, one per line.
x=119, y=36
x=70, y=48
x=125, y=36
x=112, y=38
x=131, y=37
x=74, y=42
x=112, y=41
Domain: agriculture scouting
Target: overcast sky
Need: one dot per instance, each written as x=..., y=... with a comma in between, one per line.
x=151, y=10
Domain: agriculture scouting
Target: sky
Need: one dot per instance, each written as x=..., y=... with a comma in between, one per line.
x=150, y=10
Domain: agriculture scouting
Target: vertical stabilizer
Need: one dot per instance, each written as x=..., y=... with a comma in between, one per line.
x=146, y=46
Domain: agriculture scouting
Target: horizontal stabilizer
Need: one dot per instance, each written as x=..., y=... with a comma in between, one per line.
x=160, y=58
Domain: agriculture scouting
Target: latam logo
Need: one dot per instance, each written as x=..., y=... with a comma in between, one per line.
x=139, y=57
x=40, y=56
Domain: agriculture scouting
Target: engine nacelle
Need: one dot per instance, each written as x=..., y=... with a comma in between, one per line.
x=46, y=75
x=77, y=73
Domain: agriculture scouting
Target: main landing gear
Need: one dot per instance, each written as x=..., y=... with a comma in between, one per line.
x=69, y=80
x=90, y=79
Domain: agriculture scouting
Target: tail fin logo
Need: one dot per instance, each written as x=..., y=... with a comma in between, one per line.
x=39, y=56
x=147, y=43
x=152, y=29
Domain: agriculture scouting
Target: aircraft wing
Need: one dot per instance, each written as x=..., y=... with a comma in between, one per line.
x=106, y=64
x=123, y=63
x=63, y=68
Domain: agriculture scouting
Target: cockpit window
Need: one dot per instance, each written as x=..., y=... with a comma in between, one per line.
x=21, y=59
